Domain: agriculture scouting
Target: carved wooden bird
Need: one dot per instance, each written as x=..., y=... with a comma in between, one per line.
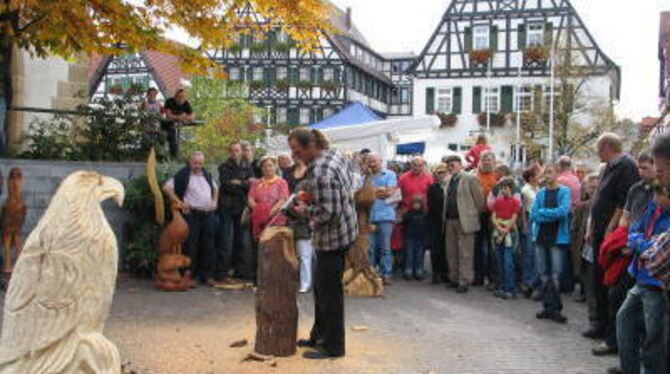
x=13, y=217
x=61, y=290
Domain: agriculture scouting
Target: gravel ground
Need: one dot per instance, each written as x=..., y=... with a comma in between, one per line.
x=417, y=328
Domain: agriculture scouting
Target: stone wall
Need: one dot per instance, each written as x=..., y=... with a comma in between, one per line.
x=41, y=178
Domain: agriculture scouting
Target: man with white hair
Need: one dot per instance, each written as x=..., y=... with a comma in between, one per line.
x=196, y=194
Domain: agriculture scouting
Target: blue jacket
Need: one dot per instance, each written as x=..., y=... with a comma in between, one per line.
x=540, y=214
x=639, y=244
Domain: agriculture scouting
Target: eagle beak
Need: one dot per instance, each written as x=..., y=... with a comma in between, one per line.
x=112, y=188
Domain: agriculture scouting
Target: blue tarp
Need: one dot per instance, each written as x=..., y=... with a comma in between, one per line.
x=353, y=114
x=410, y=148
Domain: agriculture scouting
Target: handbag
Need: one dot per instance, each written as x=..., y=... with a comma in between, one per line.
x=245, y=220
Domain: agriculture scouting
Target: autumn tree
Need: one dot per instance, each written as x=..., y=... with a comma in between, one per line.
x=581, y=113
x=226, y=114
x=68, y=27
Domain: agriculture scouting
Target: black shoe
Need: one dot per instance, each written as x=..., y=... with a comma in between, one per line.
x=558, y=317
x=461, y=289
x=435, y=280
x=320, y=355
x=478, y=282
x=407, y=277
x=545, y=314
x=615, y=370
x=451, y=284
x=418, y=278
x=604, y=350
x=306, y=343
x=594, y=333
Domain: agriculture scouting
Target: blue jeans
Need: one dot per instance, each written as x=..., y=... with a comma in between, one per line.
x=641, y=323
x=549, y=262
x=380, y=248
x=414, y=252
x=529, y=274
x=506, y=272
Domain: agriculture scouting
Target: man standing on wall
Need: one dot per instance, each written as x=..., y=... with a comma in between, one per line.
x=177, y=112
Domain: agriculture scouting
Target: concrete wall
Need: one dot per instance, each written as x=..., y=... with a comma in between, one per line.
x=41, y=178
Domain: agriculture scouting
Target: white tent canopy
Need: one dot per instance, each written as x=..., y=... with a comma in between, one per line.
x=380, y=137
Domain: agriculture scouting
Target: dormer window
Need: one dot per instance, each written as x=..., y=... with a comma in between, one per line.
x=535, y=34
x=481, y=37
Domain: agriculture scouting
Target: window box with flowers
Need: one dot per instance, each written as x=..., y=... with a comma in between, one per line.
x=497, y=119
x=136, y=89
x=115, y=89
x=259, y=47
x=282, y=85
x=330, y=86
x=282, y=47
x=235, y=48
x=447, y=119
x=305, y=85
x=535, y=54
x=480, y=56
x=256, y=85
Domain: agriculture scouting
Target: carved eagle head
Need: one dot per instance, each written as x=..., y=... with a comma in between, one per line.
x=89, y=184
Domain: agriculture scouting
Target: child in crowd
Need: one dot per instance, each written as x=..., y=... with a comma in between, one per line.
x=551, y=235
x=481, y=146
x=504, y=215
x=415, y=239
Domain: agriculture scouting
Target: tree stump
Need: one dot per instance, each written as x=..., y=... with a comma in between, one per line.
x=276, y=307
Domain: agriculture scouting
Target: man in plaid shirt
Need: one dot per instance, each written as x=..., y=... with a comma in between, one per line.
x=658, y=255
x=332, y=216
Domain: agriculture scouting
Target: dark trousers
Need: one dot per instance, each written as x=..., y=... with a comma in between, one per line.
x=438, y=254
x=616, y=296
x=200, y=244
x=172, y=138
x=483, y=250
x=230, y=248
x=589, y=289
x=600, y=291
x=328, y=327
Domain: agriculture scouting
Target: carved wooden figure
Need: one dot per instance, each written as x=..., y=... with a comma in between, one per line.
x=13, y=217
x=172, y=272
x=276, y=306
x=63, y=283
x=359, y=278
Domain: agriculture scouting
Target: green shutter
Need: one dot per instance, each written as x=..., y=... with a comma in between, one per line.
x=319, y=114
x=548, y=33
x=468, y=39
x=313, y=75
x=457, y=100
x=271, y=75
x=522, y=36
x=320, y=75
x=273, y=115
x=476, y=100
x=293, y=74
x=430, y=100
x=292, y=116
x=493, y=37
x=507, y=99
x=250, y=73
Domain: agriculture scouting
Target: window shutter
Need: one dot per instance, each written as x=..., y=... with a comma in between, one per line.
x=507, y=99
x=319, y=114
x=312, y=115
x=292, y=116
x=430, y=100
x=320, y=75
x=522, y=36
x=476, y=100
x=313, y=75
x=468, y=39
x=457, y=100
x=250, y=73
x=548, y=33
x=266, y=76
x=493, y=38
x=293, y=74
x=272, y=75
x=273, y=115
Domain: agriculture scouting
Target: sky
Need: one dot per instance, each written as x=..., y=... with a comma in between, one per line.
x=627, y=31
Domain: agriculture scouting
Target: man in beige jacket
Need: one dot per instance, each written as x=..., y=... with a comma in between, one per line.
x=462, y=204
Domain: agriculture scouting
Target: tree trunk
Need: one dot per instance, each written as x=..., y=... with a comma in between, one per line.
x=7, y=90
x=276, y=307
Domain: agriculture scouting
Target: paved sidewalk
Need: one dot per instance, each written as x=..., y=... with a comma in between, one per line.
x=417, y=328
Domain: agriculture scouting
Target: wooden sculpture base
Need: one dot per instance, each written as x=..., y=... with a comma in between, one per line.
x=276, y=307
x=170, y=275
x=359, y=278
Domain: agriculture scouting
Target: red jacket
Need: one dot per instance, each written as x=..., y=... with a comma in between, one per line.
x=610, y=257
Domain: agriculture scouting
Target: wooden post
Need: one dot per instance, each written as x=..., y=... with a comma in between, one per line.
x=276, y=307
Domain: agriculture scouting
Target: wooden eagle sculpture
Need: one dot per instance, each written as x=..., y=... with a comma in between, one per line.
x=61, y=290
x=12, y=219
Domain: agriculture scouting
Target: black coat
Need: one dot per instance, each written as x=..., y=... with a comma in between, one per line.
x=435, y=204
x=233, y=197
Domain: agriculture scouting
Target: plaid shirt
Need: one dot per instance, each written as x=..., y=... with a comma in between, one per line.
x=330, y=181
x=658, y=257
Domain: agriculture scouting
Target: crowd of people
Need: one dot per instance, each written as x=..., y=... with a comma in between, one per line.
x=551, y=229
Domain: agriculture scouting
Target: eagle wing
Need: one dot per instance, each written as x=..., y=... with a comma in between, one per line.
x=42, y=305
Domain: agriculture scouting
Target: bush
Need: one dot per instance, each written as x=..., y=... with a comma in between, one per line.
x=109, y=130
